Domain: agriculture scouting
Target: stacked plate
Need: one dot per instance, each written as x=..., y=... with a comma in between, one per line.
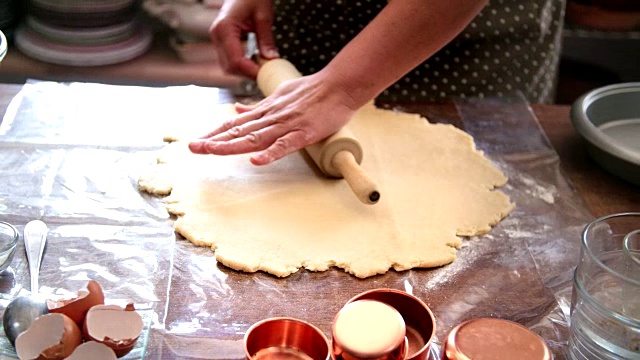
x=83, y=32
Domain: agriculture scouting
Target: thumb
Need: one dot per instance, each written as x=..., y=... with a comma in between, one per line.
x=266, y=45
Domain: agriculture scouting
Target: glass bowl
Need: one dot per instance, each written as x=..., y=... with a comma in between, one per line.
x=8, y=240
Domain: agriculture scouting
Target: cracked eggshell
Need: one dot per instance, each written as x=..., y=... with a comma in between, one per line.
x=114, y=326
x=77, y=308
x=50, y=337
x=94, y=351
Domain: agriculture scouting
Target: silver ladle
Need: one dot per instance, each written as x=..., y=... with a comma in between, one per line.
x=22, y=311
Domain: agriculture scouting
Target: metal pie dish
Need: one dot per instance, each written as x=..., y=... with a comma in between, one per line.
x=609, y=120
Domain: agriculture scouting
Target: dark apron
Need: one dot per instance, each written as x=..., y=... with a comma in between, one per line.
x=510, y=46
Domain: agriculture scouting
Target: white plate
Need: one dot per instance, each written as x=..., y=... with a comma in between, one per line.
x=83, y=36
x=83, y=5
x=34, y=46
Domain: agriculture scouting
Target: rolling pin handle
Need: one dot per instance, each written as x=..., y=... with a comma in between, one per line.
x=365, y=189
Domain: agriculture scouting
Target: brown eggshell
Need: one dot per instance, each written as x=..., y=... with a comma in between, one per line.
x=76, y=308
x=113, y=326
x=94, y=351
x=50, y=337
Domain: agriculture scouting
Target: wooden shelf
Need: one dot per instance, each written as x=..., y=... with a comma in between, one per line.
x=160, y=66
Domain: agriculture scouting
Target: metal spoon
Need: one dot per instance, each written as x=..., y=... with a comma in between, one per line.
x=22, y=311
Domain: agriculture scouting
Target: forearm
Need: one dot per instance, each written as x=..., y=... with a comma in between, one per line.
x=403, y=35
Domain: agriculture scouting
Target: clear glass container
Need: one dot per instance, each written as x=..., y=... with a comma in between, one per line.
x=605, y=312
x=8, y=240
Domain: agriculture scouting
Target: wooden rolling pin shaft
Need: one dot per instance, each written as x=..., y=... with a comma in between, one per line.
x=340, y=154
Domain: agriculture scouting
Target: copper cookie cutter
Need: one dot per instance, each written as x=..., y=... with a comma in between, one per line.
x=419, y=320
x=285, y=338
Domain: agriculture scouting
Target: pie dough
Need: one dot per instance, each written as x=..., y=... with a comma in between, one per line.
x=435, y=187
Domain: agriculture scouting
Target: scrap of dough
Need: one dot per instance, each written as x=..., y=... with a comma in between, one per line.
x=285, y=216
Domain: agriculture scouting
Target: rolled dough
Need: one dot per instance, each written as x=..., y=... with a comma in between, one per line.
x=286, y=216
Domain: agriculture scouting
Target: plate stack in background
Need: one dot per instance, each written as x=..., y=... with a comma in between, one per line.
x=83, y=32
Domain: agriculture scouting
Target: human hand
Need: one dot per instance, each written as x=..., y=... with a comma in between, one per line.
x=300, y=112
x=236, y=19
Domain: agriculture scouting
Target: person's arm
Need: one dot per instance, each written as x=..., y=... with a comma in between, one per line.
x=306, y=110
x=403, y=35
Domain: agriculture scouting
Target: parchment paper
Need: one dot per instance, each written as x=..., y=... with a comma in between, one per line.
x=71, y=155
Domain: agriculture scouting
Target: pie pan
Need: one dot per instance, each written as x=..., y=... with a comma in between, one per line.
x=609, y=119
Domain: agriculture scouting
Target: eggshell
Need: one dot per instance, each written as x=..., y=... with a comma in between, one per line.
x=114, y=326
x=76, y=308
x=50, y=337
x=94, y=351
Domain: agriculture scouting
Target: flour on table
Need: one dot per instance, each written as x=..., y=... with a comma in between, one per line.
x=435, y=187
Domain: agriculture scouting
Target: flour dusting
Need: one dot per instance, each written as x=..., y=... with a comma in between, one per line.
x=544, y=193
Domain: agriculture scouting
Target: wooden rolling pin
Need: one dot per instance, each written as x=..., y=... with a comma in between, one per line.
x=337, y=156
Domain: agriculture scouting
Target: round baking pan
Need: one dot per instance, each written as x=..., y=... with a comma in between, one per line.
x=609, y=119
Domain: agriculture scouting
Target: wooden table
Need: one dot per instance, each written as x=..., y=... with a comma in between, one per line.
x=601, y=192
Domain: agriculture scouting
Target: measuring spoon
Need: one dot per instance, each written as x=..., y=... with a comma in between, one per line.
x=22, y=311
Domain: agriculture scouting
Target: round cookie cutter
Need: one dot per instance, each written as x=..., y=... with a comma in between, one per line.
x=285, y=338
x=419, y=320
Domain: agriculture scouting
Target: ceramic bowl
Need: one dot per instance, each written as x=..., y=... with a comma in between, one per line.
x=609, y=120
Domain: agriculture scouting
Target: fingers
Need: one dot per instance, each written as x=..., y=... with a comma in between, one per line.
x=230, y=144
x=244, y=133
x=265, y=136
x=230, y=49
x=243, y=108
x=266, y=44
x=247, y=129
x=251, y=142
x=231, y=123
x=255, y=141
x=198, y=147
x=280, y=148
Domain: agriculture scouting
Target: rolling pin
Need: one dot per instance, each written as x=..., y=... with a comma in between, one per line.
x=337, y=156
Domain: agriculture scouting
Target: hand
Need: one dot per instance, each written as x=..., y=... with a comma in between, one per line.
x=299, y=113
x=236, y=19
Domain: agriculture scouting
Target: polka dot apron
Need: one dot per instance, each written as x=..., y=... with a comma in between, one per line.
x=512, y=45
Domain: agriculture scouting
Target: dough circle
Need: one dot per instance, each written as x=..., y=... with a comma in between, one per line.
x=279, y=218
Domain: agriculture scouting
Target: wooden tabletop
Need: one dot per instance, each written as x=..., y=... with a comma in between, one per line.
x=602, y=192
